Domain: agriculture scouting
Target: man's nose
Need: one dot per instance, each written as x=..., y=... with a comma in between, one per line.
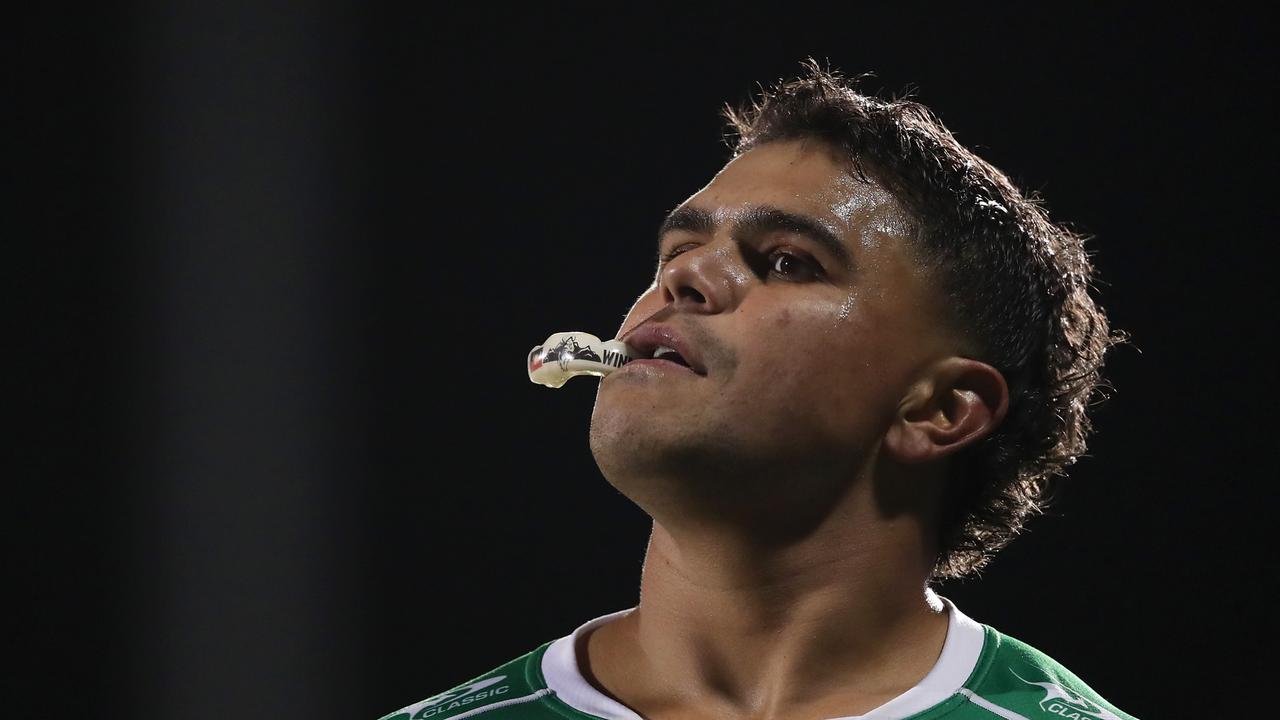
x=704, y=279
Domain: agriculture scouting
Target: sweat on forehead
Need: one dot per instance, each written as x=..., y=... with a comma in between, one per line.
x=805, y=178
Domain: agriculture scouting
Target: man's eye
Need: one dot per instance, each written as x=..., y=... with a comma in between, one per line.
x=792, y=266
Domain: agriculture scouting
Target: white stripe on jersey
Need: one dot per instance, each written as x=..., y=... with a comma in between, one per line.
x=502, y=703
x=986, y=704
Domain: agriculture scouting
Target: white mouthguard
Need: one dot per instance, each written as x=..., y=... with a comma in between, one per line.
x=569, y=354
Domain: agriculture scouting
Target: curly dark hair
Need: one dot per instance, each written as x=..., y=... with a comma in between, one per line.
x=1017, y=282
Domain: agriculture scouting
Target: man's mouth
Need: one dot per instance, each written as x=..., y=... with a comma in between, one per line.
x=670, y=355
x=663, y=345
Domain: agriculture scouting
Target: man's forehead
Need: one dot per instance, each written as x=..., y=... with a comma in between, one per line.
x=807, y=180
x=729, y=215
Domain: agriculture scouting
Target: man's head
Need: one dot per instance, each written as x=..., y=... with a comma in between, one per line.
x=860, y=296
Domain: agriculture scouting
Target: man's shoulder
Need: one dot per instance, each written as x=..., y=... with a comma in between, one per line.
x=515, y=689
x=1013, y=679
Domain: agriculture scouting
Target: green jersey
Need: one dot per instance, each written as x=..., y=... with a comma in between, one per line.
x=981, y=674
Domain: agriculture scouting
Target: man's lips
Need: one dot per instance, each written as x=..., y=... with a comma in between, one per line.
x=666, y=364
x=648, y=337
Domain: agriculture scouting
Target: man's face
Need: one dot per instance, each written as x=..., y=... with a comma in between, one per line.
x=805, y=349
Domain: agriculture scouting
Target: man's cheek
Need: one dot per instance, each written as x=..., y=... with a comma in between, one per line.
x=789, y=382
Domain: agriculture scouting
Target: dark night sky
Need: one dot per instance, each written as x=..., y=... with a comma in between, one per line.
x=279, y=454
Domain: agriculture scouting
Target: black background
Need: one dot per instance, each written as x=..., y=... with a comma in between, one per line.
x=276, y=270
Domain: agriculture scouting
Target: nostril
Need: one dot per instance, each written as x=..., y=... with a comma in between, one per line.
x=691, y=294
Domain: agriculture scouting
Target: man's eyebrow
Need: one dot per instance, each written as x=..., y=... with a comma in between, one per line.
x=756, y=219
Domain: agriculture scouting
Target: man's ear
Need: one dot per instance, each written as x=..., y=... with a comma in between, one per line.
x=955, y=403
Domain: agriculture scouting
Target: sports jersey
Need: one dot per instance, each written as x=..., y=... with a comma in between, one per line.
x=981, y=674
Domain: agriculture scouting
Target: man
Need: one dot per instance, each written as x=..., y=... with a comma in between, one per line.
x=882, y=354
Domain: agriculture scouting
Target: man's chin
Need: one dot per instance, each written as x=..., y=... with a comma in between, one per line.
x=618, y=436
x=626, y=441
x=629, y=444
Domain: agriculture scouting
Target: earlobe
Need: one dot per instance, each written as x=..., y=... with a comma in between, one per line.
x=960, y=402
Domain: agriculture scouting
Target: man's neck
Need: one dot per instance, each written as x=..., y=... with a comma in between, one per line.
x=833, y=625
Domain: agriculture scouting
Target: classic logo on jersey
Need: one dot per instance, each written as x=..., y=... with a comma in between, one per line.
x=465, y=696
x=1061, y=702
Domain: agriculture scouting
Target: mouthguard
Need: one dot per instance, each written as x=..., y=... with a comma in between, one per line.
x=570, y=354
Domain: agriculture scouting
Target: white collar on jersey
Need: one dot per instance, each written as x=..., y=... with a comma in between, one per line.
x=955, y=664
